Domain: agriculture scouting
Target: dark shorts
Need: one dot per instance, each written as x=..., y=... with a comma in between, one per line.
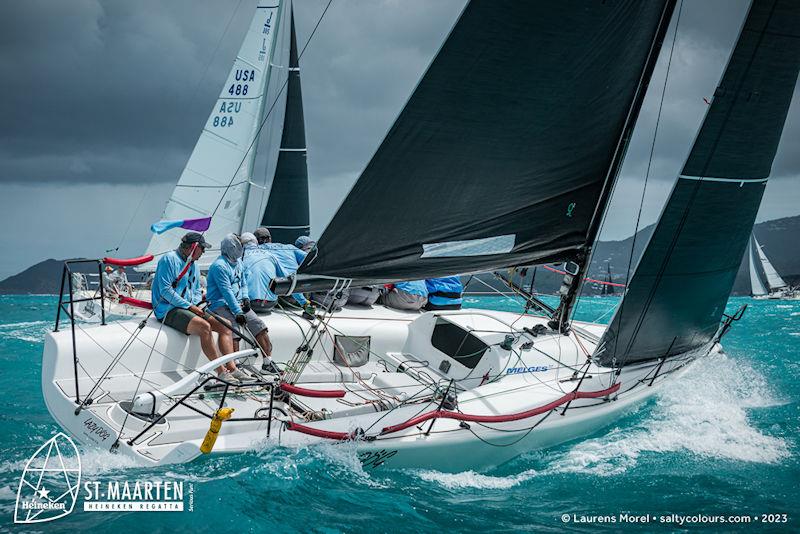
x=178, y=318
x=254, y=322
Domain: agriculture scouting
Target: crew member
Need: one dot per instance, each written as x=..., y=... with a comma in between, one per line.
x=411, y=295
x=228, y=297
x=175, y=302
x=289, y=258
x=260, y=268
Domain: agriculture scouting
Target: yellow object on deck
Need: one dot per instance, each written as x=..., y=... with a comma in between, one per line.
x=223, y=414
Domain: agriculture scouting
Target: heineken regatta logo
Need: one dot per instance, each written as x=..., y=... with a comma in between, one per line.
x=48, y=488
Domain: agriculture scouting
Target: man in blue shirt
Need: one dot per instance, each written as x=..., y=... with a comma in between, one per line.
x=175, y=301
x=260, y=268
x=228, y=296
x=289, y=257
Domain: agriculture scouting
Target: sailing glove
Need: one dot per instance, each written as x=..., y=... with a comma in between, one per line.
x=241, y=319
x=245, y=305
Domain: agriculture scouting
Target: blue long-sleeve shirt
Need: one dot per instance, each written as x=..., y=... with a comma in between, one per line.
x=415, y=287
x=289, y=258
x=260, y=268
x=444, y=291
x=165, y=297
x=226, y=285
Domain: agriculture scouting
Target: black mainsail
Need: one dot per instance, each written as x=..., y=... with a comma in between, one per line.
x=287, y=211
x=677, y=295
x=505, y=152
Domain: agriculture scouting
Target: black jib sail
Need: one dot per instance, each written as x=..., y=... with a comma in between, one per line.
x=506, y=146
x=681, y=285
x=287, y=212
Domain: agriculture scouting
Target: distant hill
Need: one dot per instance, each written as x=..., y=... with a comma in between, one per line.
x=42, y=278
x=779, y=237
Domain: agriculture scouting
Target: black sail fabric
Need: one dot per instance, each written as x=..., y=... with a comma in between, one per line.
x=500, y=154
x=287, y=211
x=681, y=285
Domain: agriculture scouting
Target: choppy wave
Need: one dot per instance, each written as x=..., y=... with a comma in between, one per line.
x=702, y=413
x=31, y=331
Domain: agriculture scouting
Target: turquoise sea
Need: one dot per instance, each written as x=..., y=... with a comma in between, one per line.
x=721, y=440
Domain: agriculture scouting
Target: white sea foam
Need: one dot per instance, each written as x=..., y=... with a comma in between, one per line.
x=471, y=479
x=703, y=413
x=31, y=331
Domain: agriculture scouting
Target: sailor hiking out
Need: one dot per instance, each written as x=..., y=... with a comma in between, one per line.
x=176, y=295
x=228, y=298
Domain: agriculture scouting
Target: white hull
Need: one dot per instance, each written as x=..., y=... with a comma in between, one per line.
x=378, y=394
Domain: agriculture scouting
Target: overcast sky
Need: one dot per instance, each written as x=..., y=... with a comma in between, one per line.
x=102, y=102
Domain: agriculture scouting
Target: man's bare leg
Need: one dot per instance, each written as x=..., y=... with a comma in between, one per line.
x=224, y=340
x=202, y=329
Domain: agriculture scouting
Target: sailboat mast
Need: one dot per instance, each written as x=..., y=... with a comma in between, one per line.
x=261, y=108
x=573, y=279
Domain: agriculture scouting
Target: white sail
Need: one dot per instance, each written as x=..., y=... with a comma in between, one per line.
x=219, y=171
x=756, y=286
x=774, y=280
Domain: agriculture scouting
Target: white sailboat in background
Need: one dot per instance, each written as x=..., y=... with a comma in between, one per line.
x=506, y=159
x=775, y=287
x=260, y=99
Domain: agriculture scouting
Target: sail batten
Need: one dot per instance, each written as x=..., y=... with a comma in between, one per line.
x=678, y=292
x=506, y=134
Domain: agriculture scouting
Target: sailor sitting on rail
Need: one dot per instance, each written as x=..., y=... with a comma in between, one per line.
x=260, y=268
x=411, y=295
x=444, y=293
x=176, y=305
x=289, y=258
x=228, y=298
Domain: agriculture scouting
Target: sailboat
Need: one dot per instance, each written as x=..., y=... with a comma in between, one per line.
x=775, y=287
x=608, y=287
x=227, y=147
x=507, y=154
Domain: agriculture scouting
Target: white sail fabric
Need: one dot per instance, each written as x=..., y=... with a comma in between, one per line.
x=774, y=280
x=219, y=171
x=756, y=286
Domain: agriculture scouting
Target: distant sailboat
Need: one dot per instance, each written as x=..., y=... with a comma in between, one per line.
x=771, y=285
x=608, y=287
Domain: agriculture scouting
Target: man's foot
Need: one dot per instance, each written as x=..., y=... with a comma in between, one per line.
x=269, y=367
x=230, y=377
x=241, y=376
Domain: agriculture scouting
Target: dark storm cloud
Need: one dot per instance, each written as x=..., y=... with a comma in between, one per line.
x=116, y=91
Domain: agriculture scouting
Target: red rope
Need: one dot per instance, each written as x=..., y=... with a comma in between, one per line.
x=442, y=414
x=551, y=269
x=339, y=436
x=320, y=393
